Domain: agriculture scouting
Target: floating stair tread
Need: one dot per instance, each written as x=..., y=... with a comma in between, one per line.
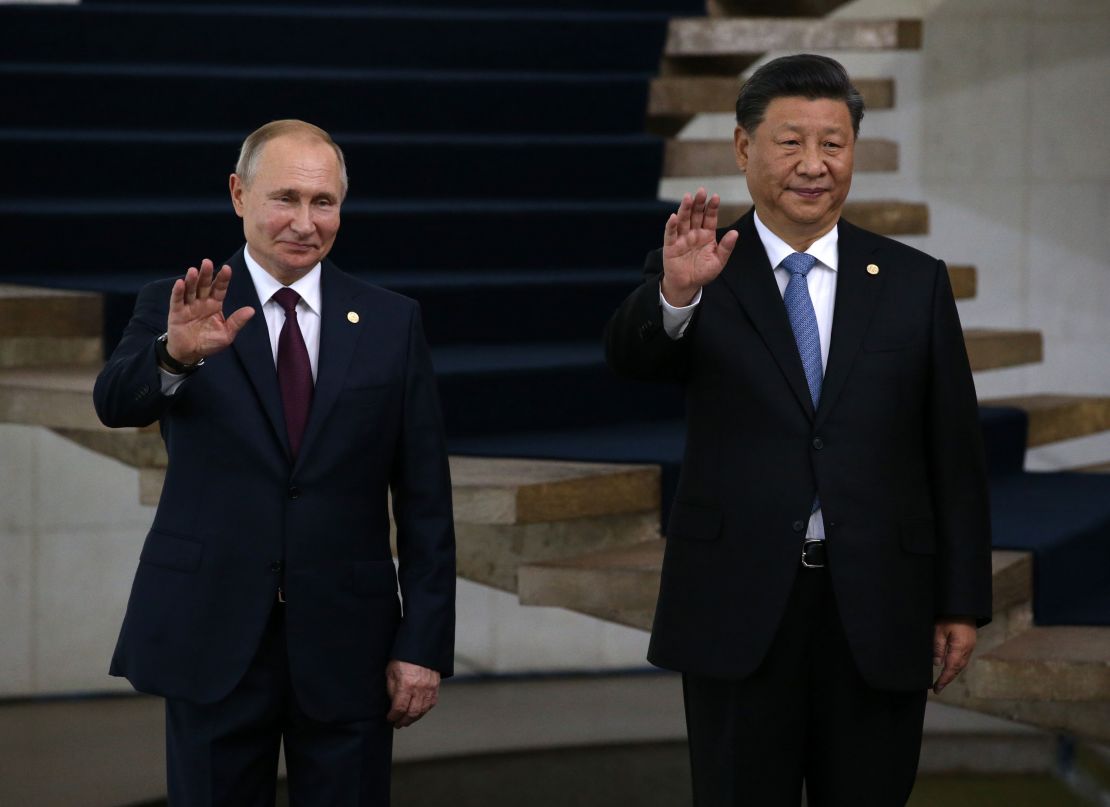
x=1058, y=663
x=991, y=348
x=518, y=491
x=705, y=158
x=692, y=95
x=964, y=280
x=732, y=36
x=55, y=397
x=879, y=216
x=1053, y=418
x=27, y=311
x=622, y=584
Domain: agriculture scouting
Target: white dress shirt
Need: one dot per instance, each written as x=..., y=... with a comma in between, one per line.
x=308, y=315
x=821, y=281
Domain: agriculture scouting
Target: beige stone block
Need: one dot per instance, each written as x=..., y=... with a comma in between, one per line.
x=694, y=95
x=49, y=351
x=30, y=311
x=1055, y=664
x=52, y=397
x=988, y=349
x=733, y=36
x=1060, y=417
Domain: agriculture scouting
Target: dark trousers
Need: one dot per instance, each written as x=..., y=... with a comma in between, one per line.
x=804, y=714
x=226, y=754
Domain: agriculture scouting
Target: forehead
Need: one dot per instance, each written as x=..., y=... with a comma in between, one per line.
x=811, y=113
x=298, y=159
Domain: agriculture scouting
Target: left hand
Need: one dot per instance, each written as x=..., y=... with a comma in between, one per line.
x=953, y=643
x=413, y=690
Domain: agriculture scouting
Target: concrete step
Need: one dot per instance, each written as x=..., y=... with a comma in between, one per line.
x=992, y=348
x=44, y=327
x=54, y=397
x=1059, y=663
x=714, y=158
x=701, y=36
x=686, y=96
x=621, y=585
x=881, y=216
x=1053, y=418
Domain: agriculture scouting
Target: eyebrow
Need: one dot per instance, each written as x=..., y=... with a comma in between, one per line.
x=294, y=192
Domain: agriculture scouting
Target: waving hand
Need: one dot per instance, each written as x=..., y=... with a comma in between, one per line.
x=692, y=257
x=197, y=327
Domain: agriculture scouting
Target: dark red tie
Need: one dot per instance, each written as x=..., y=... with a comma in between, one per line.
x=293, y=369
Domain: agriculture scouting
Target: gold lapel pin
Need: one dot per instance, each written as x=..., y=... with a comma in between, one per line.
x=872, y=269
x=352, y=317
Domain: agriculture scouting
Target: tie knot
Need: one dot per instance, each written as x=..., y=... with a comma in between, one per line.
x=287, y=299
x=798, y=263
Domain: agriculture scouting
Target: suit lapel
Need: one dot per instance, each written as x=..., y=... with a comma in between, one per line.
x=338, y=337
x=750, y=277
x=857, y=293
x=253, y=348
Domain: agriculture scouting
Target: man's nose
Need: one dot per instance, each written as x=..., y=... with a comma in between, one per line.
x=302, y=220
x=812, y=162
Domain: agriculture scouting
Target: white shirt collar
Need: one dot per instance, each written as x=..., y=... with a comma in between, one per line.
x=824, y=249
x=308, y=287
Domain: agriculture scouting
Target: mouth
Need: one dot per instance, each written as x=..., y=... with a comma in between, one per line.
x=297, y=246
x=809, y=193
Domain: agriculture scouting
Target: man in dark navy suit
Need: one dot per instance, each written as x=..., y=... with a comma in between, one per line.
x=293, y=400
x=830, y=534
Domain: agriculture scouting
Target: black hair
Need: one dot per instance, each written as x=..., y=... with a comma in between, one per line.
x=806, y=75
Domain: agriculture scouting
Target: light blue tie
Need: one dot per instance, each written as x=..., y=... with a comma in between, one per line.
x=803, y=321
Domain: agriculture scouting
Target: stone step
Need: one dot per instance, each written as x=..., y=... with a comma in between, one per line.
x=686, y=96
x=1059, y=663
x=714, y=158
x=879, y=216
x=45, y=327
x=991, y=348
x=54, y=397
x=621, y=585
x=701, y=36
x=1053, y=418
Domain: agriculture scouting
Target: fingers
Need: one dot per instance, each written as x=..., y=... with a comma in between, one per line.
x=411, y=704
x=728, y=243
x=220, y=283
x=697, y=212
x=683, y=214
x=712, y=209
x=953, y=645
x=670, y=232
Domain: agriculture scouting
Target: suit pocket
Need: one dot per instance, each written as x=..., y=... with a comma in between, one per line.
x=374, y=578
x=694, y=522
x=171, y=552
x=919, y=536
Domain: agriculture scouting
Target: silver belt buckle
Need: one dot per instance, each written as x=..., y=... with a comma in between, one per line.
x=805, y=545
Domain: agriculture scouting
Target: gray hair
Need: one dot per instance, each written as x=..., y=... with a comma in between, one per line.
x=251, y=151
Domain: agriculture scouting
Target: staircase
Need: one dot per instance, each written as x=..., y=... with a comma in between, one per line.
x=502, y=175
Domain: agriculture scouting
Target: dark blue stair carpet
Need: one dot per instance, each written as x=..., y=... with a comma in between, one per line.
x=408, y=166
x=1064, y=519
x=356, y=36
x=685, y=7
x=491, y=389
x=166, y=236
x=200, y=97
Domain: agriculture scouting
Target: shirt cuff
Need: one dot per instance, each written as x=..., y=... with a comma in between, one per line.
x=676, y=319
x=171, y=382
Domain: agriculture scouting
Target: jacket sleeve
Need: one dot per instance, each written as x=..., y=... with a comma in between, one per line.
x=636, y=346
x=128, y=391
x=957, y=468
x=421, y=490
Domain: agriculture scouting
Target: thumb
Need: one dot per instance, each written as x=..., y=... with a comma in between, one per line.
x=728, y=243
x=240, y=318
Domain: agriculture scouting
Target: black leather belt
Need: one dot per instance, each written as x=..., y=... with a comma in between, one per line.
x=813, y=554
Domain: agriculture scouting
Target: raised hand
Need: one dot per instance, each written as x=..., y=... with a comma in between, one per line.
x=692, y=257
x=196, y=326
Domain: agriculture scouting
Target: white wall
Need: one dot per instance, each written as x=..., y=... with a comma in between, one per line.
x=1000, y=122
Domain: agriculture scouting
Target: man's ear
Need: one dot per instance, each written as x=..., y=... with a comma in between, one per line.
x=236, y=186
x=741, y=141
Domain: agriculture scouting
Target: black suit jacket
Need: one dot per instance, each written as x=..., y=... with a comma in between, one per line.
x=237, y=517
x=894, y=451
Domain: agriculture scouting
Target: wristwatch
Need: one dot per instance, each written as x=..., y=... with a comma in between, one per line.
x=169, y=362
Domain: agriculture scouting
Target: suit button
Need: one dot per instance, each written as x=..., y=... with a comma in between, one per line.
x=799, y=526
x=275, y=566
x=818, y=443
x=294, y=492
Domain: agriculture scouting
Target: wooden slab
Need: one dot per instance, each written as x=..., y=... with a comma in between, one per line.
x=1053, y=418
x=964, y=280
x=705, y=158
x=703, y=36
x=990, y=349
x=686, y=96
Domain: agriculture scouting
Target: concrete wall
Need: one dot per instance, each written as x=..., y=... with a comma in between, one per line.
x=1000, y=122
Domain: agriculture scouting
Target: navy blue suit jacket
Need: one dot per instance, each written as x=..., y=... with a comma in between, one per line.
x=893, y=450
x=238, y=517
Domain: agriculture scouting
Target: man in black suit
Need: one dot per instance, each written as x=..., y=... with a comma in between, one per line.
x=265, y=607
x=830, y=532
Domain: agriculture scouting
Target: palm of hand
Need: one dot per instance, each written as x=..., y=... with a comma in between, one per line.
x=694, y=258
x=200, y=327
